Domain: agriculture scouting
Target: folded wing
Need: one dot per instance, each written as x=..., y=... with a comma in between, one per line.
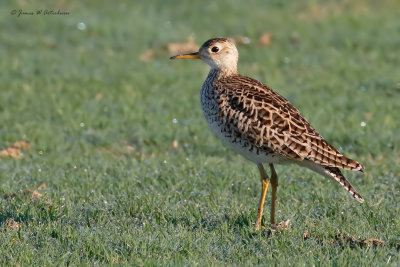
x=269, y=121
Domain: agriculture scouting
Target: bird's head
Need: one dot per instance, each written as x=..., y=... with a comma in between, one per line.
x=219, y=53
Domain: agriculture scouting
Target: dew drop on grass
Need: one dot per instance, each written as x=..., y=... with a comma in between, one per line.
x=81, y=26
x=245, y=40
x=174, y=120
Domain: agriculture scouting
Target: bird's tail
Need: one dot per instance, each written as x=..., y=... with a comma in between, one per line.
x=349, y=164
x=336, y=174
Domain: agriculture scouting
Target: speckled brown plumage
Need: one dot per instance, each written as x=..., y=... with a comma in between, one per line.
x=251, y=113
x=260, y=124
x=269, y=121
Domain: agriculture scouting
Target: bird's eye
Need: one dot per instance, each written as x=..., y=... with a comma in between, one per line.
x=215, y=49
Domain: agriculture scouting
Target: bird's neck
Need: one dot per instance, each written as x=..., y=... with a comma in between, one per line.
x=216, y=73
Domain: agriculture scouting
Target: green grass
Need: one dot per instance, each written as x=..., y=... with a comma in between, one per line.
x=100, y=125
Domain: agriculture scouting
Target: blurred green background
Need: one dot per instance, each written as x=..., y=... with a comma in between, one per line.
x=133, y=175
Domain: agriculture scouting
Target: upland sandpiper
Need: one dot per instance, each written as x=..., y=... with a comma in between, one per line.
x=261, y=125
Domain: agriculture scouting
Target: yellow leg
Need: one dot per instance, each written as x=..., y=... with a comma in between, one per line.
x=274, y=184
x=264, y=184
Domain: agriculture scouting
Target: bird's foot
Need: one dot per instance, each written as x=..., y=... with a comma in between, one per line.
x=283, y=225
x=260, y=227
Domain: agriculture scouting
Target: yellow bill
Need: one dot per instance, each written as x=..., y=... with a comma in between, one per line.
x=185, y=56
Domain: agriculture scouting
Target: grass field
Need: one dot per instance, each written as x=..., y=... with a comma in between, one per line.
x=132, y=173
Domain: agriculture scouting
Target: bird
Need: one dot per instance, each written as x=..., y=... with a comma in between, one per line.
x=261, y=125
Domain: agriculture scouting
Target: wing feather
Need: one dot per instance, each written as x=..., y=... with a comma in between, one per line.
x=269, y=121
